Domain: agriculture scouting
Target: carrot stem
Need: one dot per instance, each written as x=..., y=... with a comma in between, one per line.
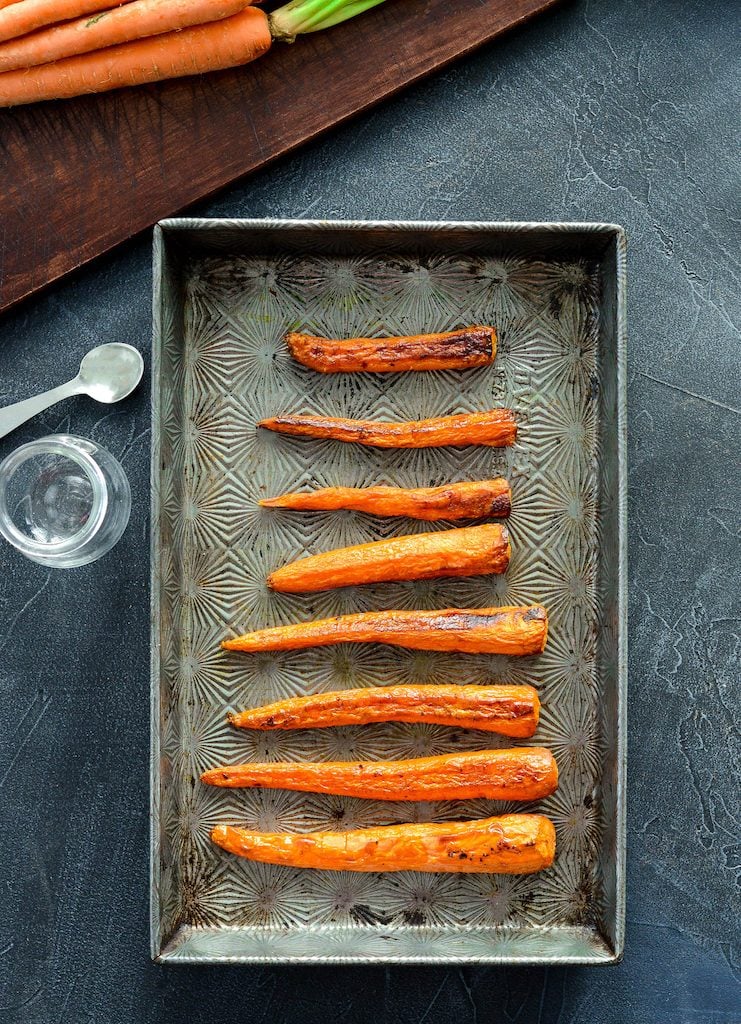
x=302, y=16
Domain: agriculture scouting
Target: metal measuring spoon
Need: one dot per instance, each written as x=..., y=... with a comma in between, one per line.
x=108, y=373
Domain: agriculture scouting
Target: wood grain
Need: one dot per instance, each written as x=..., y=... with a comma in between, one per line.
x=80, y=176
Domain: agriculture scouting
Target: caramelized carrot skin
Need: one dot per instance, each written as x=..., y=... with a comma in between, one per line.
x=507, y=710
x=512, y=630
x=470, y=551
x=495, y=428
x=451, y=350
x=516, y=844
x=519, y=773
x=469, y=500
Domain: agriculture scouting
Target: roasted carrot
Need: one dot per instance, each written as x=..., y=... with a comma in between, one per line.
x=512, y=630
x=514, y=844
x=134, y=20
x=519, y=773
x=495, y=428
x=508, y=710
x=470, y=551
x=471, y=500
x=222, y=44
x=23, y=16
x=451, y=350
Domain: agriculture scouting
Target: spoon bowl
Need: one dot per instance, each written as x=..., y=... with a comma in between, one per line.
x=110, y=372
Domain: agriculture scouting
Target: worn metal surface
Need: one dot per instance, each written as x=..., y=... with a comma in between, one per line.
x=225, y=293
x=599, y=111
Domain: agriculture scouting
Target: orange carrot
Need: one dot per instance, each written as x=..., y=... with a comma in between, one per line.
x=508, y=710
x=514, y=844
x=518, y=773
x=222, y=44
x=451, y=350
x=472, y=500
x=25, y=16
x=495, y=428
x=134, y=20
x=514, y=630
x=470, y=551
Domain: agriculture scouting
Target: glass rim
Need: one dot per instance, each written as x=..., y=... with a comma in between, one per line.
x=65, y=446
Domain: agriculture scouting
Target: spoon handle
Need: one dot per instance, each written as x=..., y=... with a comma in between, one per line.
x=13, y=415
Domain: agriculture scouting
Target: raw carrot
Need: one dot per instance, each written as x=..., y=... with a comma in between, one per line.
x=25, y=16
x=226, y=43
x=451, y=350
x=514, y=844
x=518, y=773
x=470, y=551
x=507, y=710
x=134, y=20
x=513, y=630
x=496, y=428
x=472, y=500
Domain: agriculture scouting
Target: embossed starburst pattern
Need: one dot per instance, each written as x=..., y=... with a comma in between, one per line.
x=226, y=366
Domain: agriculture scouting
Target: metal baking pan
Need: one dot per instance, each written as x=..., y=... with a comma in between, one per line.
x=224, y=293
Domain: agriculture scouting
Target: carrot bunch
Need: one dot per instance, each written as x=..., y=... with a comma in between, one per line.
x=55, y=49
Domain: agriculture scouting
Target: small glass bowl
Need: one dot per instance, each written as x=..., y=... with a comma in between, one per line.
x=64, y=501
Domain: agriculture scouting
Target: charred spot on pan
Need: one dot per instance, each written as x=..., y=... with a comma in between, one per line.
x=361, y=913
x=582, y=901
x=413, y=917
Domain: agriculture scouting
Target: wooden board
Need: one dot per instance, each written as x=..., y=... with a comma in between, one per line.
x=78, y=177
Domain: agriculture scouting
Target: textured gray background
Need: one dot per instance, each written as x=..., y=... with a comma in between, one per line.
x=597, y=111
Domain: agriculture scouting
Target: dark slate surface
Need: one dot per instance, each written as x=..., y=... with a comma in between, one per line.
x=598, y=111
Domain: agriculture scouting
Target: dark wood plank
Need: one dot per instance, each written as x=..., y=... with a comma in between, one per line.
x=78, y=177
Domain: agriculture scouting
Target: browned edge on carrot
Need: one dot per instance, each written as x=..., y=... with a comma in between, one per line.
x=461, y=349
x=511, y=844
x=518, y=630
x=474, y=499
x=507, y=710
x=495, y=428
x=516, y=773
